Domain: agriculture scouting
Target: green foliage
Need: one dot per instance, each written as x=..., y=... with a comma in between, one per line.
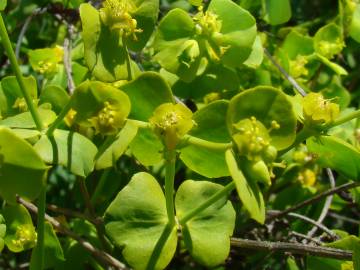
x=122, y=101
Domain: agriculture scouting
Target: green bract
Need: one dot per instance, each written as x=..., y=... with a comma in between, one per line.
x=328, y=41
x=223, y=33
x=171, y=122
x=100, y=106
x=22, y=171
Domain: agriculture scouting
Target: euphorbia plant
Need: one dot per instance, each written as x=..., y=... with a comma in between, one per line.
x=178, y=136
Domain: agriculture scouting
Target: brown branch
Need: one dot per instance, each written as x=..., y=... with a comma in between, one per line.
x=303, y=236
x=100, y=255
x=312, y=200
x=292, y=248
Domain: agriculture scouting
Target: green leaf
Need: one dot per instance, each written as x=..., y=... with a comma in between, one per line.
x=207, y=235
x=146, y=16
x=12, y=92
x=25, y=120
x=116, y=147
x=100, y=45
x=316, y=263
x=173, y=37
x=355, y=24
x=210, y=125
x=248, y=191
x=238, y=29
x=53, y=253
x=273, y=105
x=3, y=4
x=297, y=44
x=20, y=232
x=146, y=93
x=56, y=96
x=2, y=233
x=328, y=40
x=147, y=148
x=351, y=243
x=278, y=11
x=257, y=54
x=22, y=171
x=137, y=219
x=69, y=149
x=336, y=154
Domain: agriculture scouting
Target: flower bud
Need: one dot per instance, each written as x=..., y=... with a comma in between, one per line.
x=257, y=171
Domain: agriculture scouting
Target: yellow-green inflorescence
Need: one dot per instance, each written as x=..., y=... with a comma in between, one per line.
x=171, y=122
x=108, y=120
x=21, y=105
x=330, y=49
x=116, y=14
x=253, y=144
x=208, y=26
x=318, y=110
x=25, y=237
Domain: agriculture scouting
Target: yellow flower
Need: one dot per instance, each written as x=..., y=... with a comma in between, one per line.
x=171, y=122
x=318, y=110
x=25, y=237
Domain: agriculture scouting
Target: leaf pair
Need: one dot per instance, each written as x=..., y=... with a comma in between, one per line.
x=137, y=222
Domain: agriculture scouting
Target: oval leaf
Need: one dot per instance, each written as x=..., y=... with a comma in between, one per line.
x=207, y=235
x=137, y=219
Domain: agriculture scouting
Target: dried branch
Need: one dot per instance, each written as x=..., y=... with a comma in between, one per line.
x=313, y=222
x=312, y=200
x=292, y=248
x=327, y=204
x=346, y=219
x=67, y=59
x=303, y=236
x=287, y=76
x=100, y=255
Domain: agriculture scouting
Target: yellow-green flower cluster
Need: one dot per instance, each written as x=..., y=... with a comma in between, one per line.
x=108, y=120
x=330, y=49
x=318, y=110
x=171, y=122
x=116, y=14
x=25, y=237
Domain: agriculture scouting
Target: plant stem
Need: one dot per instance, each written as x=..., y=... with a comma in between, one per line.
x=207, y=144
x=96, y=253
x=59, y=119
x=343, y=119
x=214, y=198
x=100, y=185
x=128, y=60
x=300, y=137
x=41, y=228
x=99, y=226
x=170, y=159
x=292, y=248
x=15, y=66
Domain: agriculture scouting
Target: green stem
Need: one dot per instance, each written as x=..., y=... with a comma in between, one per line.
x=300, y=137
x=15, y=66
x=128, y=60
x=206, y=144
x=170, y=159
x=343, y=119
x=59, y=119
x=100, y=185
x=214, y=198
x=41, y=228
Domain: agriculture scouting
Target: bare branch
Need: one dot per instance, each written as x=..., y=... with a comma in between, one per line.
x=327, y=204
x=292, y=248
x=346, y=219
x=313, y=222
x=312, y=200
x=287, y=76
x=67, y=59
x=100, y=255
x=303, y=236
